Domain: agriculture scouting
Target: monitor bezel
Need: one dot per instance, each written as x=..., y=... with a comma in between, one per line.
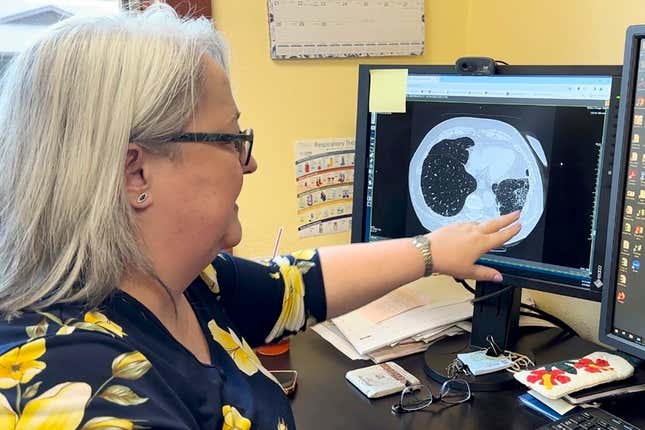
x=631, y=57
x=360, y=161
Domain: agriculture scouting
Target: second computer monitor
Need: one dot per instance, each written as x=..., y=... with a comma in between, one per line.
x=623, y=320
x=469, y=148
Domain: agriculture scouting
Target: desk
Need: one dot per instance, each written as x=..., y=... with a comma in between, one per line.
x=325, y=400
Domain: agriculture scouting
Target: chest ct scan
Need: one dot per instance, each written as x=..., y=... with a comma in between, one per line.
x=472, y=169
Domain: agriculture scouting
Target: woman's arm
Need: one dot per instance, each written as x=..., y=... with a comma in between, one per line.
x=359, y=273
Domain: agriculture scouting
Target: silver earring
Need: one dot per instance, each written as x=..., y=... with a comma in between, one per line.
x=142, y=197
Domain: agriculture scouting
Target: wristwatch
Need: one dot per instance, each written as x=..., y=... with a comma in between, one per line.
x=422, y=243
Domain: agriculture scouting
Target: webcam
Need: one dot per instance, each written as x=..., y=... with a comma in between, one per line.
x=477, y=66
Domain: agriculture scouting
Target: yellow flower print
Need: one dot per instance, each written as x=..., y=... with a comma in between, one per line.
x=292, y=315
x=38, y=330
x=130, y=365
x=20, y=364
x=304, y=254
x=61, y=408
x=282, y=425
x=240, y=351
x=209, y=276
x=97, y=318
x=65, y=330
x=233, y=420
x=110, y=423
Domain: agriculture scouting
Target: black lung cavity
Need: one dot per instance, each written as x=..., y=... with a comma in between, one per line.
x=444, y=180
x=510, y=194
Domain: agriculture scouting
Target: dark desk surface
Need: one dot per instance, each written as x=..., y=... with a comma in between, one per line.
x=325, y=400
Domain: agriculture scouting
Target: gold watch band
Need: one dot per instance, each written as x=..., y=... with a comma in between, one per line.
x=422, y=243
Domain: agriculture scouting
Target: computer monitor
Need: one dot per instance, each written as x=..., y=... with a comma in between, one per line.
x=623, y=302
x=469, y=148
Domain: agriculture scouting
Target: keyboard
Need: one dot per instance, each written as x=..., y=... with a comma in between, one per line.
x=589, y=419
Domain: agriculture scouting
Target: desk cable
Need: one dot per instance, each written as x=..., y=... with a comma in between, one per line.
x=530, y=311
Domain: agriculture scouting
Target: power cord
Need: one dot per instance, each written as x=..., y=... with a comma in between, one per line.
x=531, y=311
x=540, y=314
x=484, y=297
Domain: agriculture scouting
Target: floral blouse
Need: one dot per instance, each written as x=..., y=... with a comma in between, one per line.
x=117, y=367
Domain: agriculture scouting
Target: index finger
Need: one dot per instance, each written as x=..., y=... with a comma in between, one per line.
x=496, y=224
x=498, y=238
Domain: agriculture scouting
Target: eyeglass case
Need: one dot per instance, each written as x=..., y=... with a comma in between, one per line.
x=381, y=379
x=563, y=377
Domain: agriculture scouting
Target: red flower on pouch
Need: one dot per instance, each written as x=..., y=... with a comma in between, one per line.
x=548, y=378
x=593, y=366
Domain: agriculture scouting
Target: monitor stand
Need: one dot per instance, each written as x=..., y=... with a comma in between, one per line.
x=499, y=318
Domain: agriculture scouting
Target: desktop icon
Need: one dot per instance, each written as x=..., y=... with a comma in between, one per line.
x=638, y=230
x=637, y=248
x=631, y=194
x=641, y=194
x=636, y=138
x=638, y=120
x=623, y=262
x=625, y=244
x=622, y=279
x=629, y=210
x=636, y=265
x=627, y=228
x=643, y=176
x=640, y=101
x=621, y=296
x=632, y=174
x=634, y=156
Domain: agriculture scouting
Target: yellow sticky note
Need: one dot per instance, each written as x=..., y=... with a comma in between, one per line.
x=387, y=90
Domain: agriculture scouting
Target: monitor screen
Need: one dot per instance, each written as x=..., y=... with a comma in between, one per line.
x=470, y=148
x=626, y=297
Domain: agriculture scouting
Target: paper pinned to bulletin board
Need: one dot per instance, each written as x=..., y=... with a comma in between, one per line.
x=331, y=28
x=325, y=186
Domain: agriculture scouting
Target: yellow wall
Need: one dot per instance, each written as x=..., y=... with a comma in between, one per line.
x=552, y=31
x=289, y=100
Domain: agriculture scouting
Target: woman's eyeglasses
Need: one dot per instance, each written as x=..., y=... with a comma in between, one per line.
x=417, y=397
x=243, y=141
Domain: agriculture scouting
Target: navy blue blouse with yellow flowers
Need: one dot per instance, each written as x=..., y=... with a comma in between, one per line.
x=117, y=367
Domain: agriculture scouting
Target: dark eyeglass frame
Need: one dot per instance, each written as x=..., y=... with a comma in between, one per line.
x=243, y=141
x=399, y=408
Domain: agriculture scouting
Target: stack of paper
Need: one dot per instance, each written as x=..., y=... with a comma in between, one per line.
x=403, y=322
x=406, y=321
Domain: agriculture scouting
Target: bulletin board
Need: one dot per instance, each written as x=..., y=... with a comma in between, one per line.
x=361, y=28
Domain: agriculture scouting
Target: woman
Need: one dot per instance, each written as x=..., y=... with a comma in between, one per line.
x=121, y=161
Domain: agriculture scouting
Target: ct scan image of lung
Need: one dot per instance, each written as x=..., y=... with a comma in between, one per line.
x=474, y=169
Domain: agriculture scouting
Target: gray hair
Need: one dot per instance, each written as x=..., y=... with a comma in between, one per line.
x=69, y=105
